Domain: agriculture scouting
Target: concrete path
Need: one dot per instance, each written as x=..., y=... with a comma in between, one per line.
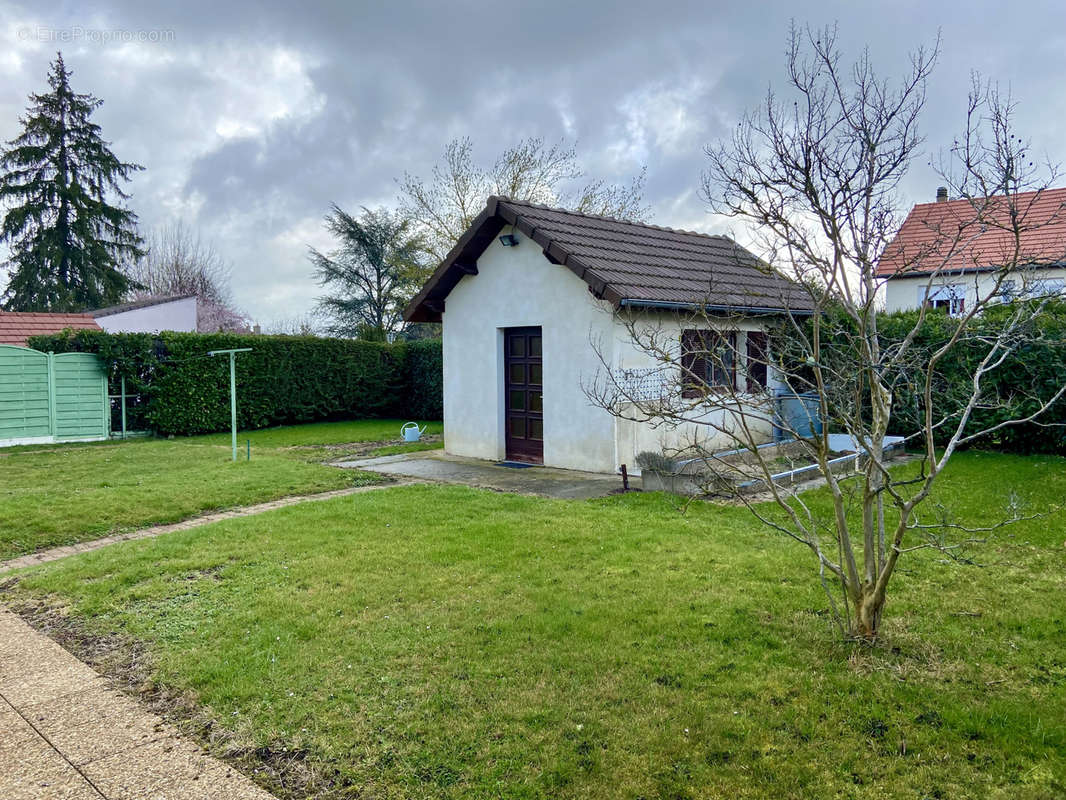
x=434, y=465
x=65, y=735
x=195, y=522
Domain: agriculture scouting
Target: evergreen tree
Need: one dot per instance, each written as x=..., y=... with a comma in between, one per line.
x=370, y=275
x=66, y=241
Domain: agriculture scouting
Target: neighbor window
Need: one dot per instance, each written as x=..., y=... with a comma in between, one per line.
x=950, y=298
x=1045, y=287
x=1031, y=289
x=708, y=361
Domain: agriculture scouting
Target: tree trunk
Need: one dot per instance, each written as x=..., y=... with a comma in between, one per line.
x=867, y=622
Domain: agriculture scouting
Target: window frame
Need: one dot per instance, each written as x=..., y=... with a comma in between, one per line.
x=951, y=297
x=757, y=351
x=719, y=374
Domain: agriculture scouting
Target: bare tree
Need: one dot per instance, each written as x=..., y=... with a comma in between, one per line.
x=815, y=177
x=309, y=324
x=179, y=262
x=458, y=188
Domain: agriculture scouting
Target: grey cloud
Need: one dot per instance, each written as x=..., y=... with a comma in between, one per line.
x=257, y=116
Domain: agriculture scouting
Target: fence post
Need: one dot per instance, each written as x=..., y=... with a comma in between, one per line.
x=123, y=380
x=52, y=393
x=105, y=386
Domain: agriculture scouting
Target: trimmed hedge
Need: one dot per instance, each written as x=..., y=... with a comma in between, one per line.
x=1014, y=390
x=283, y=380
x=425, y=379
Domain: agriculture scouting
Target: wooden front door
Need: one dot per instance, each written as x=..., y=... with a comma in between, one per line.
x=523, y=394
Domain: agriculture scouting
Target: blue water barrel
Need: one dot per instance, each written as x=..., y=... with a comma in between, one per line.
x=799, y=413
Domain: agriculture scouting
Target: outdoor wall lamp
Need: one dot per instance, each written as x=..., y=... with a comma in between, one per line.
x=509, y=240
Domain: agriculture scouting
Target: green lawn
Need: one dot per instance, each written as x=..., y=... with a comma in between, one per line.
x=448, y=642
x=65, y=494
x=321, y=433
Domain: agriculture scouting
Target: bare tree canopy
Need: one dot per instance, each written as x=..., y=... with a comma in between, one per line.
x=371, y=274
x=814, y=175
x=443, y=208
x=309, y=324
x=179, y=262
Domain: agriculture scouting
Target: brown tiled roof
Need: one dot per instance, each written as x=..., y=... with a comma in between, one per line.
x=626, y=263
x=133, y=305
x=970, y=235
x=18, y=326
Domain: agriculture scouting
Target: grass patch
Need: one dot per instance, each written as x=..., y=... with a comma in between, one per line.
x=448, y=642
x=406, y=447
x=61, y=495
x=65, y=496
x=319, y=433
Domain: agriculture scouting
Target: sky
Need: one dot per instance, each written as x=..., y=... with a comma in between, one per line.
x=251, y=118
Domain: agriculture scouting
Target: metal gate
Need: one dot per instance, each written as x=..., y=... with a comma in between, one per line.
x=46, y=397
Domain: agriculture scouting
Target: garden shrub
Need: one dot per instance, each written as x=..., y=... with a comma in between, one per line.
x=425, y=379
x=1035, y=371
x=283, y=380
x=1014, y=390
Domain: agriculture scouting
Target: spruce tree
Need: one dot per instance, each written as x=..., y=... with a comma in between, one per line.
x=66, y=241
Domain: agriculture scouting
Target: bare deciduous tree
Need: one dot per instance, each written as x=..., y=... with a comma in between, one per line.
x=179, y=262
x=458, y=188
x=815, y=176
x=309, y=324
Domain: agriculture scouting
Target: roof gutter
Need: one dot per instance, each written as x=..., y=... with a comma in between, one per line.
x=669, y=305
x=959, y=272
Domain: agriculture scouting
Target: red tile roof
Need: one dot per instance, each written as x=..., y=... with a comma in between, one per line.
x=17, y=326
x=954, y=236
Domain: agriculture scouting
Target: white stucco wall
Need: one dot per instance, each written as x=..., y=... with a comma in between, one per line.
x=902, y=294
x=517, y=287
x=705, y=429
x=177, y=315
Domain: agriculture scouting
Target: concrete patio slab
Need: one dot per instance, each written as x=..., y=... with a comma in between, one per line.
x=95, y=724
x=37, y=771
x=169, y=768
x=434, y=465
x=66, y=735
x=14, y=731
x=48, y=682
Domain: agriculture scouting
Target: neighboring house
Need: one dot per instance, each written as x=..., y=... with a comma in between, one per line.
x=150, y=315
x=943, y=258
x=532, y=298
x=16, y=327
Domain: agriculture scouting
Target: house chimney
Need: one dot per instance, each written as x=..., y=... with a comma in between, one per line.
x=941, y=194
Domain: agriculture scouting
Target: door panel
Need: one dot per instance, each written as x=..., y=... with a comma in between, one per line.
x=523, y=393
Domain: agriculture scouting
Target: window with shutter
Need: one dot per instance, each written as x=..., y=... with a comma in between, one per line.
x=708, y=361
x=693, y=363
x=758, y=360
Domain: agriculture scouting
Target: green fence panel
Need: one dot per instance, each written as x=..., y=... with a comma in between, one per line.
x=24, y=395
x=81, y=404
x=45, y=397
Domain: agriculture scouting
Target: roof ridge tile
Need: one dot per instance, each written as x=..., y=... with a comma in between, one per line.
x=570, y=212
